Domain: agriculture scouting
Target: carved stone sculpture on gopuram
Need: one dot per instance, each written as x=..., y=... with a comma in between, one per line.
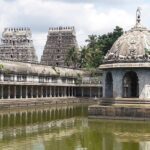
x=17, y=45
x=132, y=46
x=59, y=41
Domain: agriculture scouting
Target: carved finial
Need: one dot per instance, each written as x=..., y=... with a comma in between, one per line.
x=138, y=15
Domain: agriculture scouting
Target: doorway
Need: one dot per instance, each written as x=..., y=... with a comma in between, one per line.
x=130, y=85
x=109, y=85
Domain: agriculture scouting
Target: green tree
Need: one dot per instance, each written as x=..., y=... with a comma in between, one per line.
x=91, y=54
x=72, y=57
x=106, y=41
x=97, y=46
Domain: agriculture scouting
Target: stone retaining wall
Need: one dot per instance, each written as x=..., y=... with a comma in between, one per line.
x=8, y=104
x=127, y=113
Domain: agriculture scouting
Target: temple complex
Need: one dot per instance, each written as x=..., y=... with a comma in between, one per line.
x=59, y=41
x=17, y=45
x=22, y=76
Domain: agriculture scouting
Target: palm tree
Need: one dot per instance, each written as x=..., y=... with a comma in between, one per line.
x=72, y=57
x=92, y=40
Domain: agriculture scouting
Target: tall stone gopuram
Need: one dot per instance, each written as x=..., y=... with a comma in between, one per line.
x=17, y=45
x=59, y=41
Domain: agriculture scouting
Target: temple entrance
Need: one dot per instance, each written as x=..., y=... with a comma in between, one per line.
x=109, y=85
x=130, y=85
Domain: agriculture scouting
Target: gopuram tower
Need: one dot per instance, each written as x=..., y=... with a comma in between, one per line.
x=59, y=41
x=16, y=44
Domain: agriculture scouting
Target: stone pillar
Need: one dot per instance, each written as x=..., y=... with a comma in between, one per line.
x=31, y=91
x=46, y=91
x=72, y=91
x=62, y=91
x=58, y=92
x=37, y=92
x=26, y=91
x=117, y=76
x=98, y=92
x=41, y=91
x=2, y=91
x=21, y=91
x=8, y=91
x=68, y=91
x=75, y=92
x=50, y=91
x=15, y=92
x=90, y=92
x=104, y=83
x=65, y=91
x=54, y=92
x=82, y=91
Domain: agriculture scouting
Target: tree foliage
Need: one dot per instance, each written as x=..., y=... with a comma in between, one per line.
x=97, y=46
x=72, y=57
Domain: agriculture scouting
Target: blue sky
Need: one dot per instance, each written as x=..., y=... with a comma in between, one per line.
x=88, y=16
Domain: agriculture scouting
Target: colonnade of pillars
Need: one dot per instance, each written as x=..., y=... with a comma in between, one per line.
x=26, y=91
x=89, y=92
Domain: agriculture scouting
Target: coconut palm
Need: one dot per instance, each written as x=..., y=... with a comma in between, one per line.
x=72, y=57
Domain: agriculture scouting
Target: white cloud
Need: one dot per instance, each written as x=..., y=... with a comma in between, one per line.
x=39, y=40
x=88, y=18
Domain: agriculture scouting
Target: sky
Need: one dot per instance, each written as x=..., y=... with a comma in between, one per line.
x=87, y=16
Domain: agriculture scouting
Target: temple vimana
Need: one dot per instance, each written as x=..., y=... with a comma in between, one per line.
x=17, y=45
x=59, y=41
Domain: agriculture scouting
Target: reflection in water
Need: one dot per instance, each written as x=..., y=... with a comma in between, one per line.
x=68, y=128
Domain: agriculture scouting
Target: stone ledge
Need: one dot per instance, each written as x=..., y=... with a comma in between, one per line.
x=119, y=112
x=125, y=65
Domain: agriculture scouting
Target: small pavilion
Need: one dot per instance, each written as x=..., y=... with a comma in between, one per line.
x=126, y=67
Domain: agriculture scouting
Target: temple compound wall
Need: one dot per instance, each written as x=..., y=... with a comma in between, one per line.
x=17, y=45
x=59, y=41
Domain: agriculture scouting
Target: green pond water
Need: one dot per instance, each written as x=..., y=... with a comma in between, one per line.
x=68, y=128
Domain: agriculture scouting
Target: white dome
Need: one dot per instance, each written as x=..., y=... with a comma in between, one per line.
x=133, y=45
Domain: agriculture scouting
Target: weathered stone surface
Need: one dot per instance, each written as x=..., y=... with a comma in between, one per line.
x=17, y=45
x=119, y=112
x=133, y=45
x=118, y=76
x=128, y=63
x=125, y=65
x=38, y=69
x=59, y=41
